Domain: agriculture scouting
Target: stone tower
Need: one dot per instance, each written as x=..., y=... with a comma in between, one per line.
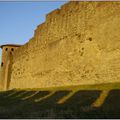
x=7, y=53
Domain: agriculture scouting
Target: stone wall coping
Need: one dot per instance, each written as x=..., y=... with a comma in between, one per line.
x=11, y=45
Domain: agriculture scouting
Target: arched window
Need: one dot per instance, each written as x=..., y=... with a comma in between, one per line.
x=6, y=49
x=12, y=49
x=2, y=64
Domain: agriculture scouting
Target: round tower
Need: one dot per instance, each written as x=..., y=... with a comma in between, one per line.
x=7, y=53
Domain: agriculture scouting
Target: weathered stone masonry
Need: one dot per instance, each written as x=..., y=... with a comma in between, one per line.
x=77, y=44
x=6, y=64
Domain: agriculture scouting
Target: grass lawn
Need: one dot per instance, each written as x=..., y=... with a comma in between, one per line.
x=62, y=102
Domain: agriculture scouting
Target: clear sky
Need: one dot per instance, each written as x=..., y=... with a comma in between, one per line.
x=18, y=20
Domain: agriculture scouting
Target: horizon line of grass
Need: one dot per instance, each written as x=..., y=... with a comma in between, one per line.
x=102, y=86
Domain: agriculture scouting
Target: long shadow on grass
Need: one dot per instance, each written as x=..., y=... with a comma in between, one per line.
x=78, y=106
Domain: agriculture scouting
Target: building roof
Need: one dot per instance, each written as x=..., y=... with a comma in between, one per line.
x=12, y=45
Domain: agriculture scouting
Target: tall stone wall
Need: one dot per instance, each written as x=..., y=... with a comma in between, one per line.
x=77, y=44
x=1, y=79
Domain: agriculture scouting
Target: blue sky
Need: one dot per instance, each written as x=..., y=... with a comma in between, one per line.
x=18, y=20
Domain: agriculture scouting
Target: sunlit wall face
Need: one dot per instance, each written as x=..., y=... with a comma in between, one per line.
x=0, y=55
x=18, y=20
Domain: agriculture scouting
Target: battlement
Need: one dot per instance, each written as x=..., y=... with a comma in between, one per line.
x=70, y=6
x=52, y=15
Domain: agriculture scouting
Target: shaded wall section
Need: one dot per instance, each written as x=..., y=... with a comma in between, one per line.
x=77, y=44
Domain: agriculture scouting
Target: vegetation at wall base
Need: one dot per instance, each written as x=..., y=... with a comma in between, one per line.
x=22, y=104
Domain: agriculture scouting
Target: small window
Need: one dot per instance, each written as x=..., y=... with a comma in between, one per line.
x=12, y=49
x=6, y=49
x=2, y=64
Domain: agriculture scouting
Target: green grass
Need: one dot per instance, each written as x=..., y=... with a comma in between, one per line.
x=77, y=106
x=105, y=86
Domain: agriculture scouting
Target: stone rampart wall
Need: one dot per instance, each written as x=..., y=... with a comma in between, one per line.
x=77, y=44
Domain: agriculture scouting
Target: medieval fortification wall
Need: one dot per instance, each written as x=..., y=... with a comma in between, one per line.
x=77, y=44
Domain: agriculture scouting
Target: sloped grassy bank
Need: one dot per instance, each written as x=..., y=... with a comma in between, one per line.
x=59, y=103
